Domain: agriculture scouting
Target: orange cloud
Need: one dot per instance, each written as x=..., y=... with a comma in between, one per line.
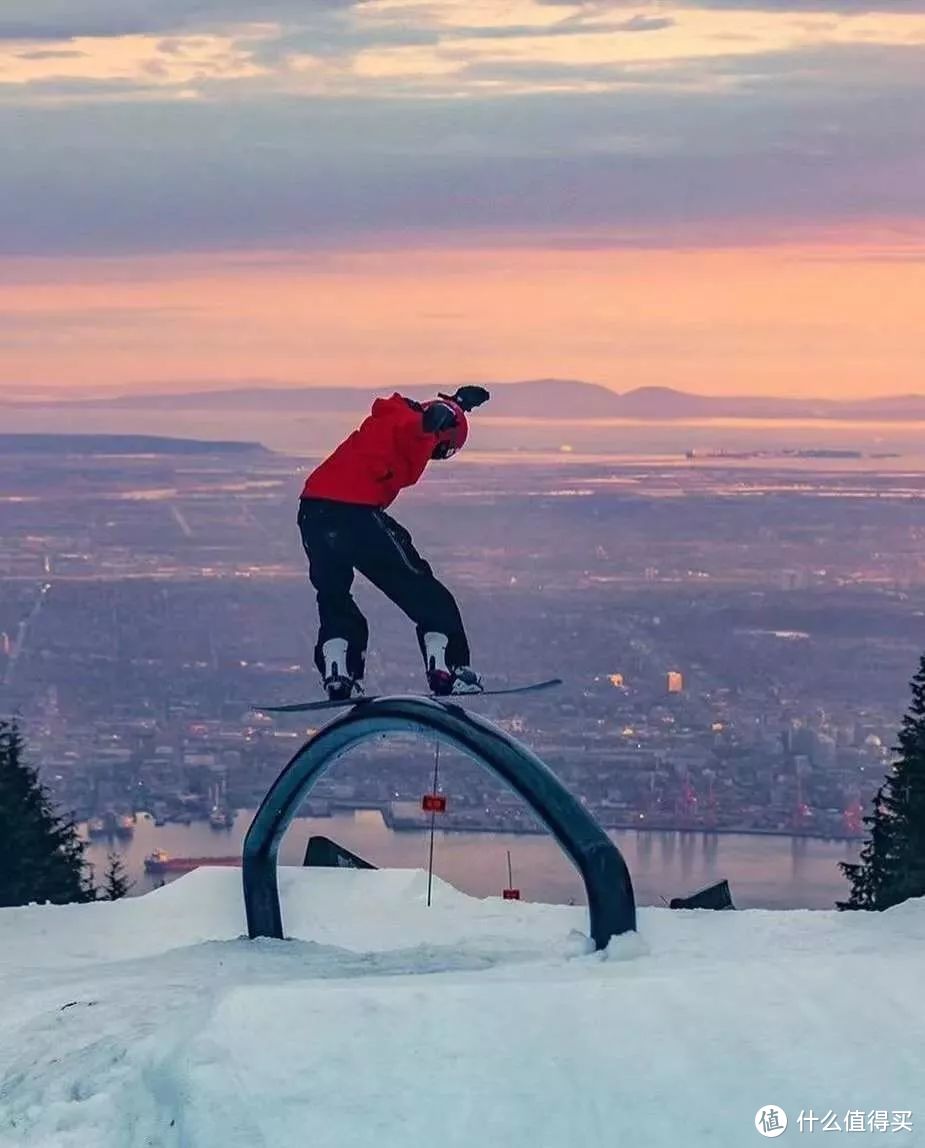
x=364, y=52
x=148, y=60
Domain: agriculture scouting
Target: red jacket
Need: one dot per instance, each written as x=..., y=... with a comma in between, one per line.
x=389, y=452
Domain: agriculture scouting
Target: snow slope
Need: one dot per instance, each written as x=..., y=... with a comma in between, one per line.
x=153, y=1022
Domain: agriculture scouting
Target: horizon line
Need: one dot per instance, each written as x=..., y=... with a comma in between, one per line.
x=191, y=387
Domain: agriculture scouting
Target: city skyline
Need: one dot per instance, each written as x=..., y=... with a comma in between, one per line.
x=705, y=684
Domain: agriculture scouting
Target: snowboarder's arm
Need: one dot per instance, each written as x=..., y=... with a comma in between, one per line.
x=431, y=420
x=435, y=417
x=413, y=441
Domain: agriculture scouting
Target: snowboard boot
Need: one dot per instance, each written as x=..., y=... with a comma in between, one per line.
x=441, y=678
x=340, y=686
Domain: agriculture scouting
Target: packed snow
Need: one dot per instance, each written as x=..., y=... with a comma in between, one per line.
x=154, y=1022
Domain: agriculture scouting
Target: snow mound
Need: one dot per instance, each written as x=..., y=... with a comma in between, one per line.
x=155, y=1022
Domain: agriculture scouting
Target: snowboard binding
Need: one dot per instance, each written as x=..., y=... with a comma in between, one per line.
x=341, y=689
x=446, y=683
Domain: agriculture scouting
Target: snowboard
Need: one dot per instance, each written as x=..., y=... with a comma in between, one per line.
x=327, y=704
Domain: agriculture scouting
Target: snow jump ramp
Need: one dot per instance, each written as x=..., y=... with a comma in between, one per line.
x=611, y=904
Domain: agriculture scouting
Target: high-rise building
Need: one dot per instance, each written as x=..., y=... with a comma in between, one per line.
x=674, y=681
x=615, y=679
x=825, y=750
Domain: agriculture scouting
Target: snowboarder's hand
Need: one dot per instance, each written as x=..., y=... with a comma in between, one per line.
x=438, y=417
x=470, y=397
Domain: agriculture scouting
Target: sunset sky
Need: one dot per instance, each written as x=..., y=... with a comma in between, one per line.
x=727, y=199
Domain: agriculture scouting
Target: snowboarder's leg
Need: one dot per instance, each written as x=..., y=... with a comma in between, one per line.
x=388, y=558
x=343, y=632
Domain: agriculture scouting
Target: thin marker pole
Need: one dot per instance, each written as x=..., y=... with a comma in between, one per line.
x=433, y=819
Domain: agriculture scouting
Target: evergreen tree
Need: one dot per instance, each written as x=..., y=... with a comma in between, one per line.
x=869, y=876
x=116, y=882
x=41, y=854
x=892, y=862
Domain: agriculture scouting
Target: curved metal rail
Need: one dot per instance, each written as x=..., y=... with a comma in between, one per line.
x=611, y=903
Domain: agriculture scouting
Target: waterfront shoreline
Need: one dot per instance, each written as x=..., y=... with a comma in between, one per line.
x=404, y=825
x=765, y=871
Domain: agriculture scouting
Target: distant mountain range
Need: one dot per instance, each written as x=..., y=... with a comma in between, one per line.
x=108, y=444
x=535, y=398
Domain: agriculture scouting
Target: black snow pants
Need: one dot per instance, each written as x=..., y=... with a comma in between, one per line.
x=341, y=538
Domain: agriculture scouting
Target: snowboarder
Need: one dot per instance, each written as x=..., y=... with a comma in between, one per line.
x=345, y=528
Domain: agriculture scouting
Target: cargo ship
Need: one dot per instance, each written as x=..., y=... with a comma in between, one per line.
x=125, y=825
x=221, y=818
x=160, y=862
x=112, y=825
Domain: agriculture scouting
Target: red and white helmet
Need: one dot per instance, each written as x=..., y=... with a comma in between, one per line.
x=452, y=439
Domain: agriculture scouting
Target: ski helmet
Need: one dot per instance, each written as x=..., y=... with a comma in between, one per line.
x=452, y=439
